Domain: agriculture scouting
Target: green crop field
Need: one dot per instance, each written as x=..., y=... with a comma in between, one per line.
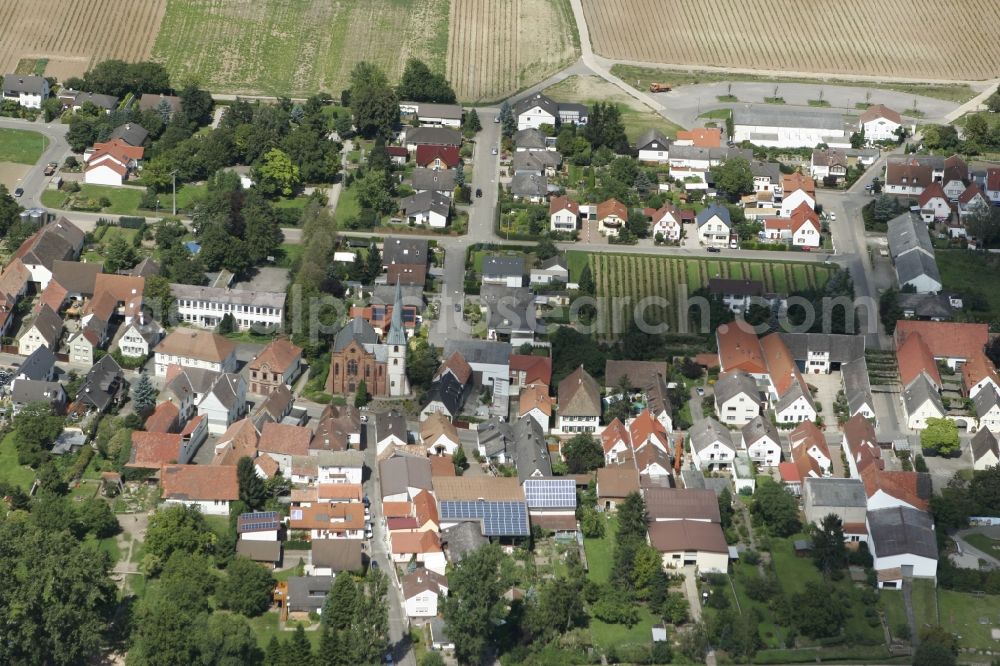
x=621, y=276
x=21, y=146
x=293, y=47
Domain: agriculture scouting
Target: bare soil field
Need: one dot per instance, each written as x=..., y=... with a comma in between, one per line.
x=74, y=34
x=12, y=173
x=845, y=37
x=294, y=47
x=496, y=47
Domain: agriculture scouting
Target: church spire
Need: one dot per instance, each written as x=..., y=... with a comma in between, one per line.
x=397, y=334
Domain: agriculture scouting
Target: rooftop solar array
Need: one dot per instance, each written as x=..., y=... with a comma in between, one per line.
x=500, y=518
x=258, y=521
x=550, y=493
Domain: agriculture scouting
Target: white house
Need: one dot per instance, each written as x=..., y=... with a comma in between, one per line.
x=828, y=164
x=780, y=127
x=439, y=435
x=993, y=185
x=691, y=542
x=44, y=330
x=666, y=221
x=579, y=403
x=615, y=441
x=225, y=403
x=934, y=204
x=28, y=90
x=879, y=123
x=190, y=348
x=210, y=488
x=554, y=269
x=137, y=338
x=808, y=439
x=714, y=226
x=111, y=163
x=797, y=190
x=737, y=398
x=564, y=214
x=611, y=217
x=421, y=590
x=206, y=306
x=805, y=227
x=653, y=147
x=762, y=442
x=428, y=208
x=921, y=401
x=536, y=110
x=711, y=445
x=901, y=537
x=987, y=404
x=534, y=401
x=507, y=271
x=985, y=451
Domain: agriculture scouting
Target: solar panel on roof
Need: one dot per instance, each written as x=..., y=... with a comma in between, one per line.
x=502, y=518
x=550, y=493
x=257, y=521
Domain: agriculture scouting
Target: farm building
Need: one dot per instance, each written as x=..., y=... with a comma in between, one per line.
x=913, y=254
x=879, y=123
x=433, y=115
x=790, y=128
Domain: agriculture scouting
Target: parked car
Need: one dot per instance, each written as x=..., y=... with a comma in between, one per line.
x=700, y=391
x=19, y=191
x=833, y=217
x=494, y=151
x=715, y=249
x=458, y=307
x=479, y=193
x=496, y=118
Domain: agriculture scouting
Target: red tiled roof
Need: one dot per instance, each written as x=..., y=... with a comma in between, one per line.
x=284, y=439
x=397, y=151
x=563, y=203
x=970, y=193
x=338, y=517
x=192, y=424
x=397, y=509
x=164, y=417
x=978, y=368
x=802, y=215
x=904, y=486
x=150, y=450
x=808, y=434
x=277, y=356
x=739, y=348
x=268, y=465
x=612, y=207
x=404, y=543
x=914, y=357
x=339, y=491
x=644, y=426
x=458, y=366
x=861, y=443
x=426, y=154
x=932, y=191
x=425, y=508
x=200, y=482
x=797, y=181
x=442, y=466
x=993, y=179
x=702, y=137
x=876, y=111
x=536, y=369
x=617, y=481
x=946, y=339
x=534, y=396
x=789, y=472
x=613, y=433
x=780, y=364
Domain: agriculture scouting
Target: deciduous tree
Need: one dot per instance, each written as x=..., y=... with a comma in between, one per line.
x=247, y=587
x=475, y=603
x=583, y=453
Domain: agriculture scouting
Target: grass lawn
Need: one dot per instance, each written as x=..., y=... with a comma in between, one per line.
x=971, y=272
x=575, y=262
x=924, y=603
x=290, y=253
x=891, y=602
x=124, y=201
x=606, y=635
x=984, y=543
x=599, y=552
x=21, y=146
x=347, y=205
x=793, y=572
x=961, y=613
x=10, y=471
x=109, y=545
x=219, y=524
x=636, y=117
x=265, y=626
x=952, y=92
x=718, y=114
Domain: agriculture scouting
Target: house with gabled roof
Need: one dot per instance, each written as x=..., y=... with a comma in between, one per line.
x=420, y=592
x=922, y=401
x=45, y=330
x=934, y=204
x=714, y=225
x=792, y=399
x=23, y=392
x=210, y=488
x=536, y=110
x=103, y=386
x=808, y=440
x=879, y=123
x=57, y=240
x=797, y=189
x=615, y=483
x=192, y=348
x=711, y=445
x=439, y=435
x=987, y=405
x=860, y=446
x=845, y=498
x=737, y=398
x=564, y=214
x=552, y=270
x=828, y=163
x=805, y=227
x=28, y=90
x=690, y=542
x=278, y=364
x=739, y=349
x=111, y=163
x=952, y=342
x=903, y=545
x=653, y=147
x=666, y=221
x=616, y=442
x=978, y=372
x=762, y=442
x=238, y=441
x=579, y=400
x=612, y=215
x=985, y=450
x=534, y=401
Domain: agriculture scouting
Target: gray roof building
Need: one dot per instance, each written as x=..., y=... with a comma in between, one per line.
x=154, y=102
x=307, y=594
x=38, y=366
x=422, y=202
x=937, y=307
x=133, y=134
x=404, y=251
x=479, y=352
x=391, y=423
x=696, y=479
x=714, y=210
x=734, y=383
x=776, y=116
x=431, y=180
x=535, y=162
x=857, y=386
x=920, y=391
x=448, y=391
x=902, y=531
x=26, y=391
x=337, y=554
x=106, y=102
x=495, y=437
x=529, y=139
x=497, y=267
x=579, y=395
x=839, y=348
x=759, y=427
x=651, y=137
x=461, y=539
x=985, y=400
x=76, y=277
x=401, y=472
x=983, y=443
x=708, y=154
x=912, y=253
x=433, y=136
x=30, y=84
x=834, y=492
x=509, y=309
x=102, y=383
x=529, y=186
x=356, y=330
x=707, y=432
x=48, y=324
x=261, y=551
x=769, y=170
x=538, y=99
x=531, y=452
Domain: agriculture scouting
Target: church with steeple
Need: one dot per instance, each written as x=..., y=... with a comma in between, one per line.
x=359, y=354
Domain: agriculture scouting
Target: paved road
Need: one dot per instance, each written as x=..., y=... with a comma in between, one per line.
x=34, y=182
x=967, y=548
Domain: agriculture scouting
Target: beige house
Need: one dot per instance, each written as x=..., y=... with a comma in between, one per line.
x=691, y=542
x=190, y=348
x=45, y=330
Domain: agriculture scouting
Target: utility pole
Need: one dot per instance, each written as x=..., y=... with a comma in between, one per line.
x=173, y=174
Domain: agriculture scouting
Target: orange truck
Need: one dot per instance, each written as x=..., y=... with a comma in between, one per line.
x=659, y=87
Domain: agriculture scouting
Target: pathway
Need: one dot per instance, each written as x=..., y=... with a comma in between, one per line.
x=974, y=103
x=969, y=549
x=694, y=603
x=910, y=617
